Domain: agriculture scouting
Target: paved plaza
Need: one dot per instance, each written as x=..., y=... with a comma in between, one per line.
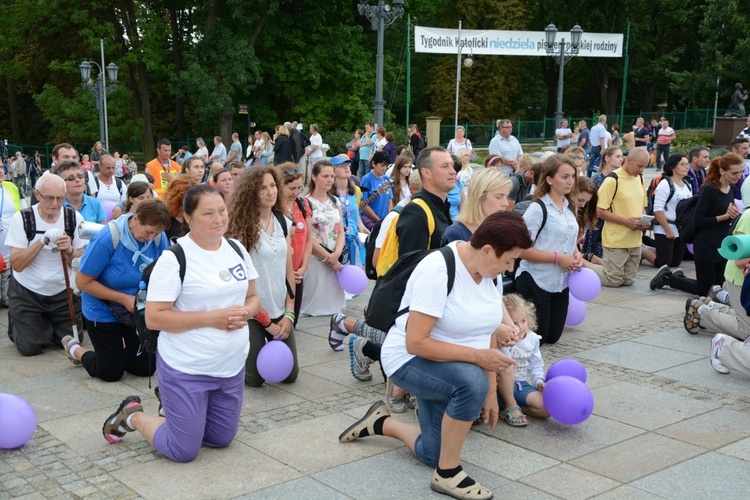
x=665, y=425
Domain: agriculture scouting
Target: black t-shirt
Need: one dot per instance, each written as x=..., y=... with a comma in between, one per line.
x=641, y=133
x=412, y=229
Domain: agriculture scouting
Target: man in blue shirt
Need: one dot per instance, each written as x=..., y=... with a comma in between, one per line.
x=90, y=208
x=379, y=207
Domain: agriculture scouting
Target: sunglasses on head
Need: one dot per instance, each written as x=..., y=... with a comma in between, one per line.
x=292, y=171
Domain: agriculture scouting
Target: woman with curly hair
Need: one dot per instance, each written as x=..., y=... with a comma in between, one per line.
x=173, y=197
x=256, y=219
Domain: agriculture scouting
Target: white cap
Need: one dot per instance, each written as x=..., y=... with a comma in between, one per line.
x=140, y=178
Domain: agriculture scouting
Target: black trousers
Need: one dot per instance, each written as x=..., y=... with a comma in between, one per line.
x=110, y=359
x=669, y=252
x=709, y=274
x=551, y=308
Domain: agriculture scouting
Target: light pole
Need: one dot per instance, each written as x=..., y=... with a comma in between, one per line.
x=468, y=62
x=100, y=89
x=381, y=16
x=575, y=41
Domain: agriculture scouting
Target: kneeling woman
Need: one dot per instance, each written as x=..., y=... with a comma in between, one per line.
x=450, y=368
x=204, y=338
x=108, y=277
x=256, y=220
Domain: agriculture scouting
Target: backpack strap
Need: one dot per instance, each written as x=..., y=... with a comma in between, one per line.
x=302, y=207
x=235, y=247
x=544, y=219
x=282, y=220
x=114, y=231
x=450, y=264
x=617, y=183
x=179, y=252
x=430, y=218
x=118, y=183
x=29, y=222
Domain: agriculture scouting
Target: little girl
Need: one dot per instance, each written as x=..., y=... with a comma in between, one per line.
x=513, y=385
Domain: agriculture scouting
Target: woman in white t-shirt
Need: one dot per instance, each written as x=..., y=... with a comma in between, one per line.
x=255, y=219
x=450, y=367
x=204, y=337
x=459, y=142
x=669, y=247
x=202, y=151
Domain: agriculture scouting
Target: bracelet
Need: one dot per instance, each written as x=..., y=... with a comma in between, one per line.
x=290, y=315
x=263, y=318
x=555, y=261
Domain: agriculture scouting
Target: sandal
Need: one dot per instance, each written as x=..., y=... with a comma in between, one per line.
x=514, y=420
x=376, y=411
x=691, y=322
x=67, y=342
x=111, y=428
x=336, y=344
x=449, y=486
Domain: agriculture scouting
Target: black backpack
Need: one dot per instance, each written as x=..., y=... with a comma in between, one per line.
x=118, y=183
x=370, y=270
x=684, y=218
x=385, y=300
x=147, y=337
x=29, y=223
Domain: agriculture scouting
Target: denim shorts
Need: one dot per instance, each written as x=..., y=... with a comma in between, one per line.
x=453, y=388
x=521, y=391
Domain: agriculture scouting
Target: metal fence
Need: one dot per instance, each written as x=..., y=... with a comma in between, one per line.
x=544, y=130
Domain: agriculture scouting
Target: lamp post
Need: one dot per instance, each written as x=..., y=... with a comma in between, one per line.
x=550, y=32
x=380, y=16
x=468, y=62
x=100, y=89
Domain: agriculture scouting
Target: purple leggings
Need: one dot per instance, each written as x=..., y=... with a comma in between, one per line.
x=200, y=410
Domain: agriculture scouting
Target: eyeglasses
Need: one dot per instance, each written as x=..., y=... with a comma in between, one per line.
x=50, y=199
x=71, y=178
x=507, y=126
x=292, y=171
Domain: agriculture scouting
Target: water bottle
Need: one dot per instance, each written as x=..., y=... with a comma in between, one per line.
x=140, y=299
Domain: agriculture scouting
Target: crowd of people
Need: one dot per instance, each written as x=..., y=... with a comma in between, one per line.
x=243, y=245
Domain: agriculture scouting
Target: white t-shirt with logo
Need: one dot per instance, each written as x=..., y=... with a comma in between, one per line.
x=44, y=275
x=213, y=280
x=467, y=316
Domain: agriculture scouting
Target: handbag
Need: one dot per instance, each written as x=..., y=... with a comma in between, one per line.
x=121, y=314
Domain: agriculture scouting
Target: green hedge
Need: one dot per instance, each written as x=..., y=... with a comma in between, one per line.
x=686, y=140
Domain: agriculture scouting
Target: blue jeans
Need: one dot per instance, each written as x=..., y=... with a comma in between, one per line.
x=596, y=152
x=456, y=389
x=662, y=153
x=364, y=168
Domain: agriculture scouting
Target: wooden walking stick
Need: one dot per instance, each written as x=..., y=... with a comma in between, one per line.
x=70, y=296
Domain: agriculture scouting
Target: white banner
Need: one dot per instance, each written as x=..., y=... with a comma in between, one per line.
x=511, y=43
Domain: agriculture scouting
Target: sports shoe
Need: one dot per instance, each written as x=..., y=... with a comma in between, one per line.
x=336, y=344
x=717, y=344
x=67, y=342
x=660, y=278
x=396, y=405
x=116, y=426
x=719, y=295
x=157, y=393
x=359, y=364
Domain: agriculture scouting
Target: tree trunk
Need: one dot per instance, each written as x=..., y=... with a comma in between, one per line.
x=225, y=126
x=147, y=134
x=15, y=119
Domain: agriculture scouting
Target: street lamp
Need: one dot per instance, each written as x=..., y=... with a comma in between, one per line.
x=100, y=89
x=468, y=62
x=380, y=16
x=550, y=32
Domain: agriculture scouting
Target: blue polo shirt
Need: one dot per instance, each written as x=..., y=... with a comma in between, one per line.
x=92, y=210
x=113, y=268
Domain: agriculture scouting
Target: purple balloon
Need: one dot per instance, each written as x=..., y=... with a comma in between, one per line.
x=689, y=247
x=576, y=312
x=352, y=279
x=108, y=207
x=567, y=367
x=17, y=421
x=584, y=284
x=568, y=400
x=275, y=361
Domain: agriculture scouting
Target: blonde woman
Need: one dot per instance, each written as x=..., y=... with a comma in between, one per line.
x=464, y=175
x=487, y=194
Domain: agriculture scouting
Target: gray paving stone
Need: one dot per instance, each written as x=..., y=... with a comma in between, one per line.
x=627, y=492
x=645, y=406
x=711, y=430
x=396, y=474
x=639, y=357
x=637, y=457
x=677, y=339
x=503, y=458
x=712, y=474
x=740, y=449
x=299, y=488
x=569, y=482
x=700, y=373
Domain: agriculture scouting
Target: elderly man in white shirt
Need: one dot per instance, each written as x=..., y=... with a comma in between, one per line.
x=506, y=147
x=598, y=141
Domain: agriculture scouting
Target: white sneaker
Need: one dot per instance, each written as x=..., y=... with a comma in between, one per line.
x=717, y=343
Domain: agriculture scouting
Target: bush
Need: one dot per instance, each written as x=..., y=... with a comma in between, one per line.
x=688, y=139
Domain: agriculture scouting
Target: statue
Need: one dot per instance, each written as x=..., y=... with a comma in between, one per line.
x=737, y=103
